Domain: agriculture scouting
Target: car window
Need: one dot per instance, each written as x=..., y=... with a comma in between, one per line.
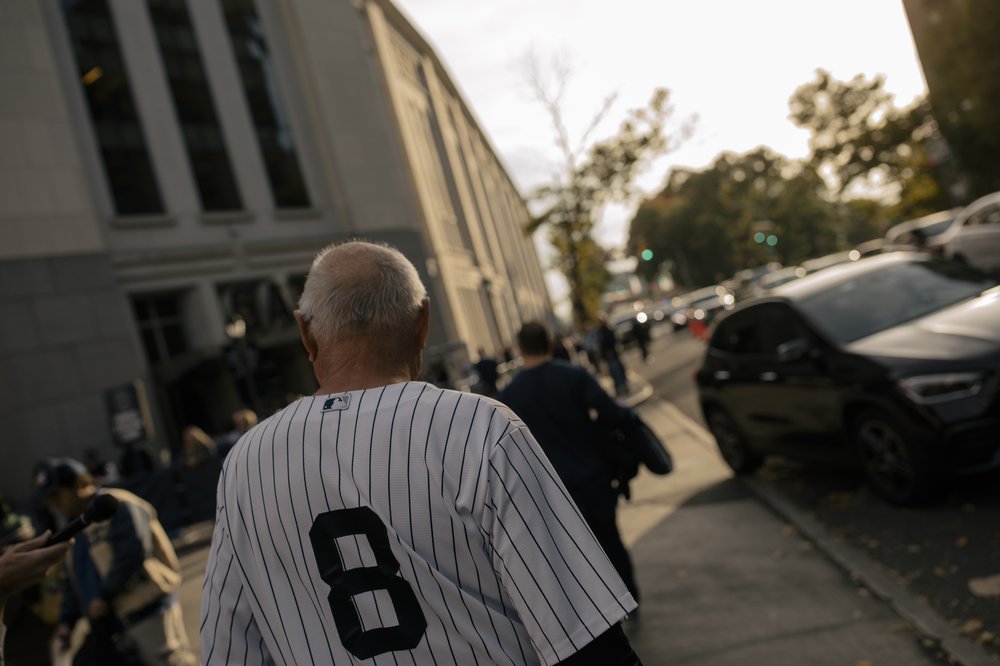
x=779, y=324
x=938, y=228
x=739, y=333
x=878, y=300
x=987, y=215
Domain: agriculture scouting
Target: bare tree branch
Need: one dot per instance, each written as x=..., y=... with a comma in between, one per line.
x=598, y=117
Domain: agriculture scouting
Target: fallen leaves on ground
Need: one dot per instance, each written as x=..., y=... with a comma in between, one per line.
x=840, y=500
x=972, y=626
x=988, y=587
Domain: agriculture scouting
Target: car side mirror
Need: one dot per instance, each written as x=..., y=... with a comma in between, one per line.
x=794, y=350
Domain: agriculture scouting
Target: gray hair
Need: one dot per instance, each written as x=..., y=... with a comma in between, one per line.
x=358, y=287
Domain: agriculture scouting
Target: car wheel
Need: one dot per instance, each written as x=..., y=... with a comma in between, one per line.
x=962, y=259
x=732, y=444
x=895, y=466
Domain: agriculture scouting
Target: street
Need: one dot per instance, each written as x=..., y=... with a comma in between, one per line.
x=935, y=551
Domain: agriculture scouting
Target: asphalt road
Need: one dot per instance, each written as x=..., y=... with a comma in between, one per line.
x=940, y=552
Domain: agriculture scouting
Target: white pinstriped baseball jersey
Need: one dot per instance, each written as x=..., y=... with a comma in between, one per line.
x=403, y=524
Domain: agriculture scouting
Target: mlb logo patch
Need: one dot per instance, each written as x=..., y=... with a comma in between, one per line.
x=336, y=403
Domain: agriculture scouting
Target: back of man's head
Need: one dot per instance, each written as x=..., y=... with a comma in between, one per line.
x=534, y=339
x=360, y=290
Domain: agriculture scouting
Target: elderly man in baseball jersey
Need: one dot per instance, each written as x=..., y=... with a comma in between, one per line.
x=384, y=520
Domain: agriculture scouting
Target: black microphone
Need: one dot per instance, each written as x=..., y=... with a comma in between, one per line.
x=102, y=508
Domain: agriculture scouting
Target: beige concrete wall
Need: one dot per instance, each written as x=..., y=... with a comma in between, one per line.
x=45, y=205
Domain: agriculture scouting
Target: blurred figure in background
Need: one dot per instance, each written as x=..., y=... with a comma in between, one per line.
x=24, y=562
x=29, y=612
x=607, y=344
x=243, y=420
x=196, y=446
x=487, y=368
x=642, y=337
x=136, y=461
x=561, y=349
x=103, y=471
x=123, y=573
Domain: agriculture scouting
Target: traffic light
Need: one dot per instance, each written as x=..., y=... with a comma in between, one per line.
x=759, y=237
x=647, y=255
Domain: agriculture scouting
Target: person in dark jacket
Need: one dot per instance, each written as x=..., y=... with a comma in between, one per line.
x=488, y=370
x=555, y=399
x=607, y=343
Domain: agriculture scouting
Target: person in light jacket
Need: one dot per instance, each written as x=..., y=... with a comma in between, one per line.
x=123, y=572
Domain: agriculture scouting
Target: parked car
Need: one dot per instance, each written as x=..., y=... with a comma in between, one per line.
x=891, y=362
x=743, y=282
x=828, y=260
x=664, y=309
x=974, y=237
x=778, y=278
x=922, y=231
x=703, y=305
x=873, y=246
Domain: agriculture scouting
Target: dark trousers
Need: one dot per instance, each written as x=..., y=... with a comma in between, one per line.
x=599, y=510
x=617, y=371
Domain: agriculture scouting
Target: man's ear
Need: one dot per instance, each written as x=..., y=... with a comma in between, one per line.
x=305, y=334
x=423, y=322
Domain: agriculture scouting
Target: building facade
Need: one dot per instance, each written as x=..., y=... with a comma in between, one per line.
x=169, y=170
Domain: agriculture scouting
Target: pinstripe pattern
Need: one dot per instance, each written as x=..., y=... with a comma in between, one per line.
x=503, y=567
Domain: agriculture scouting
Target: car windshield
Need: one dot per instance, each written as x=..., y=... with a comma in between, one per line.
x=938, y=227
x=876, y=301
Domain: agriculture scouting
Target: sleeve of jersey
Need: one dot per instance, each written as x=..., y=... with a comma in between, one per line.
x=563, y=586
x=229, y=632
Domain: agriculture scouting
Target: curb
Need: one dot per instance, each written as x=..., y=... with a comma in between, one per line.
x=922, y=617
x=632, y=399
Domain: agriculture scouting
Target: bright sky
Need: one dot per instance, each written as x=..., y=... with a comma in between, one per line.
x=733, y=63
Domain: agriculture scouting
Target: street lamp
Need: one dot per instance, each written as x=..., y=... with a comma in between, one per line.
x=236, y=330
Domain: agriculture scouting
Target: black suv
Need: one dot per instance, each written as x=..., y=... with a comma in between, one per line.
x=891, y=362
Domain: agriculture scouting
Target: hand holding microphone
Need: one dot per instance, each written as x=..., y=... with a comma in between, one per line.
x=102, y=508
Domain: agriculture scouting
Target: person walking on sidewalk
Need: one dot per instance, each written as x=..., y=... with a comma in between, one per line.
x=386, y=516
x=607, y=344
x=555, y=399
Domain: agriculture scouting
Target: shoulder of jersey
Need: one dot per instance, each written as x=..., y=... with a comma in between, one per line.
x=251, y=434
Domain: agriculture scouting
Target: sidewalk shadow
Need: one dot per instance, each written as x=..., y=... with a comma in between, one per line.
x=725, y=581
x=729, y=490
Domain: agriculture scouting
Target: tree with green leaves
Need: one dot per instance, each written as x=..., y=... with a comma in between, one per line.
x=861, y=142
x=704, y=222
x=592, y=175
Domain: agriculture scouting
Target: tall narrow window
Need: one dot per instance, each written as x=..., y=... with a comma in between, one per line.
x=270, y=119
x=161, y=325
x=112, y=108
x=206, y=147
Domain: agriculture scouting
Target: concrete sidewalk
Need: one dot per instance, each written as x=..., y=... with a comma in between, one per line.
x=727, y=579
